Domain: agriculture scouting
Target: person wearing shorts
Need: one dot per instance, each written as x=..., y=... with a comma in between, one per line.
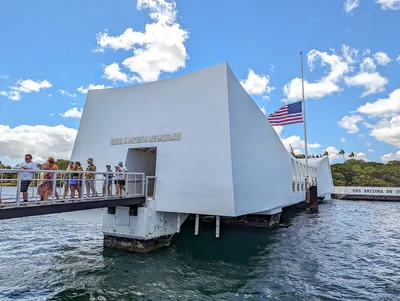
x=108, y=179
x=120, y=178
x=26, y=176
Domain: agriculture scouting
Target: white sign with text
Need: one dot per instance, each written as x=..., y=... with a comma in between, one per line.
x=147, y=139
x=394, y=191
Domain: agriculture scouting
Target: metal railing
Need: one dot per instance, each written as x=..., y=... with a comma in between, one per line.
x=54, y=186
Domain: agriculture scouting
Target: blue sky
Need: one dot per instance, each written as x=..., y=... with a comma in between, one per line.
x=52, y=51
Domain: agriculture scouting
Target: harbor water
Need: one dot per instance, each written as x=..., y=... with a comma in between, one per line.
x=348, y=251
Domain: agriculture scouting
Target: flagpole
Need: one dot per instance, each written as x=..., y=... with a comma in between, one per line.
x=304, y=118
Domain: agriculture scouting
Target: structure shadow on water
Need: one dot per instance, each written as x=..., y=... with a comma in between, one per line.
x=193, y=267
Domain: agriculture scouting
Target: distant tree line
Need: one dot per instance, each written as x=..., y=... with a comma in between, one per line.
x=61, y=163
x=360, y=173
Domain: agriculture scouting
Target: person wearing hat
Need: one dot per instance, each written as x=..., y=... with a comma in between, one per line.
x=121, y=177
x=90, y=178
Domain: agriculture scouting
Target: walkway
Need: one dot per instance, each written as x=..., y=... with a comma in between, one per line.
x=138, y=188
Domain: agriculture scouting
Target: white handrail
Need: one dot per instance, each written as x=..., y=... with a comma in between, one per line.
x=59, y=183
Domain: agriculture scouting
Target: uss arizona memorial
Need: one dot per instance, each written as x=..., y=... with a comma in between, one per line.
x=208, y=145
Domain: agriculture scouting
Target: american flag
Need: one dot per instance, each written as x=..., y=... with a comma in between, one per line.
x=288, y=114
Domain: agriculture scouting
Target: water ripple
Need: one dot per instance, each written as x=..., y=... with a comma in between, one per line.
x=348, y=251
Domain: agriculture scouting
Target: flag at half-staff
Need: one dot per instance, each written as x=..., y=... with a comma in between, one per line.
x=288, y=114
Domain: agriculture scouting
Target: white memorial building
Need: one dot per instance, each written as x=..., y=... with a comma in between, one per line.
x=211, y=149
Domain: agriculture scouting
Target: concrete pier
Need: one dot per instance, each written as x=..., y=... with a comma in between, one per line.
x=136, y=245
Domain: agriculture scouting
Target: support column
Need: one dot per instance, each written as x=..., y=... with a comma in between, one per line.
x=313, y=199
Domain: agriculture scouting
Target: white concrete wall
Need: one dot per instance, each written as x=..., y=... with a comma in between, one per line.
x=195, y=173
x=229, y=160
x=324, y=175
x=262, y=170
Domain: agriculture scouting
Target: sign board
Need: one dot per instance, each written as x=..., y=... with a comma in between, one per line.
x=377, y=191
x=147, y=139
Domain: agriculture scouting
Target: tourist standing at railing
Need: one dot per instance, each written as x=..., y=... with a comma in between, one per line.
x=67, y=178
x=76, y=180
x=90, y=178
x=46, y=188
x=108, y=179
x=121, y=177
x=26, y=176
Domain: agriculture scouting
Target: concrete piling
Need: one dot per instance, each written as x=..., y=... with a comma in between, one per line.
x=313, y=199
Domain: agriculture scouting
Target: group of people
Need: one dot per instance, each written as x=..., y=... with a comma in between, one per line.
x=72, y=181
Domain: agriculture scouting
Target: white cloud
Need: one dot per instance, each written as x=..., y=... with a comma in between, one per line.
x=66, y=93
x=350, y=123
x=349, y=54
x=326, y=85
x=382, y=58
x=159, y=48
x=368, y=143
x=278, y=129
x=371, y=150
x=372, y=82
x=113, y=72
x=30, y=85
x=384, y=107
x=25, y=86
x=49, y=95
x=388, y=130
x=73, y=113
x=333, y=152
x=297, y=143
x=13, y=95
x=349, y=5
x=91, y=87
x=4, y=77
x=262, y=108
x=41, y=141
x=398, y=59
x=389, y=4
x=343, y=140
x=257, y=84
x=294, y=142
x=361, y=156
x=367, y=65
x=391, y=157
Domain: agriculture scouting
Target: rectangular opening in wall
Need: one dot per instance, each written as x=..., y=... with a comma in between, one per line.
x=142, y=160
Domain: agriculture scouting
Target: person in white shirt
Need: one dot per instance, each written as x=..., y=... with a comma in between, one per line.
x=26, y=176
x=120, y=177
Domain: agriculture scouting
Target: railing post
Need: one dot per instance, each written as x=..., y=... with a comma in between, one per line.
x=1, y=185
x=126, y=184
x=37, y=187
x=83, y=185
x=106, y=185
x=134, y=186
x=143, y=185
x=154, y=188
x=18, y=188
x=54, y=186
x=146, y=190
